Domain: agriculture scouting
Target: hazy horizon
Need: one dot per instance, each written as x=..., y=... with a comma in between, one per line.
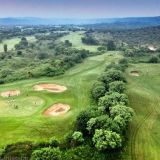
x=76, y=9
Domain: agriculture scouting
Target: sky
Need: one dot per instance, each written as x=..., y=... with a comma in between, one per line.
x=79, y=8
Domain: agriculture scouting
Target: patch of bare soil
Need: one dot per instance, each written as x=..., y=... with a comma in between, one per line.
x=10, y=93
x=50, y=87
x=135, y=73
x=57, y=109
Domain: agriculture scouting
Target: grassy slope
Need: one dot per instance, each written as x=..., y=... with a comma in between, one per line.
x=37, y=127
x=75, y=39
x=144, y=97
x=12, y=42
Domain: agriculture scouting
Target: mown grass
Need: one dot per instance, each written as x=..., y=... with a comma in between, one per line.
x=75, y=39
x=144, y=97
x=12, y=42
x=34, y=126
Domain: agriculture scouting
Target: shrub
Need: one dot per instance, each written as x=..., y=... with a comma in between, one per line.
x=54, y=142
x=46, y=154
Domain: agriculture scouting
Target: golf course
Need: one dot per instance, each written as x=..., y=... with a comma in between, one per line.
x=52, y=82
x=27, y=122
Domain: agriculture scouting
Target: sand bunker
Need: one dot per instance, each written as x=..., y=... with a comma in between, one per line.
x=57, y=109
x=152, y=48
x=50, y=87
x=10, y=93
x=135, y=73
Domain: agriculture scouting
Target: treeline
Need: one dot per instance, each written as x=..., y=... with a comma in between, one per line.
x=44, y=64
x=141, y=36
x=105, y=125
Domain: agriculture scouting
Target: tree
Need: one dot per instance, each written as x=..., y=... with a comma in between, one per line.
x=120, y=110
x=5, y=48
x=117, y=86
x=153, y=59
x=77, y=138
x=46, y=154
x=111, y=45
x=98, y=91
x=81, y=121
x=104, y=139
x=112, y=99
x=118, y=124
x=111, y=76
x=99, y=122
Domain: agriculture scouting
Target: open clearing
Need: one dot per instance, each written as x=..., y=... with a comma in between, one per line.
x=75, y=39
x=31, y=124
x=12, y=42
x=144, y=95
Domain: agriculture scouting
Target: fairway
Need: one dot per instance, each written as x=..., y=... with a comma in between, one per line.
x=75, y=39
x=144, y=92
x=28, y=122
x=13, y=41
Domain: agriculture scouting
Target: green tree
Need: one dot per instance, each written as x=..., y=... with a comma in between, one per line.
x=46, y=154
x=117, y=86
x=77, y=138
x=112, y=99
x=5, y=48
x=111, y=76
x=99, y=122
x=81, y=121
x=104, y=139
x=111, y=46
x=120, y=110
x=98, y=91
x=153, y=59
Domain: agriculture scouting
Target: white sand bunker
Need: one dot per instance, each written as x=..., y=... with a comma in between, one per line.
x=50, y=87
x=10, y=93
x=135, y=73
x=57, y=109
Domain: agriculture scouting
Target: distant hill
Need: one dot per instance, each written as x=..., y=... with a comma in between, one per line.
x=95, y=23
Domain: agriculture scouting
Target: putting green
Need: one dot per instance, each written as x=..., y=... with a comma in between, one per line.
x=20, y=106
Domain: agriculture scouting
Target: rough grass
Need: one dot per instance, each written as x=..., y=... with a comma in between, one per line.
x=75, y=39
x=144, y=97
x=36, y=127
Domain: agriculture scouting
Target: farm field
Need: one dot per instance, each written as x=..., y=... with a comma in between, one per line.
x=144, y=91
x=28, y=122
